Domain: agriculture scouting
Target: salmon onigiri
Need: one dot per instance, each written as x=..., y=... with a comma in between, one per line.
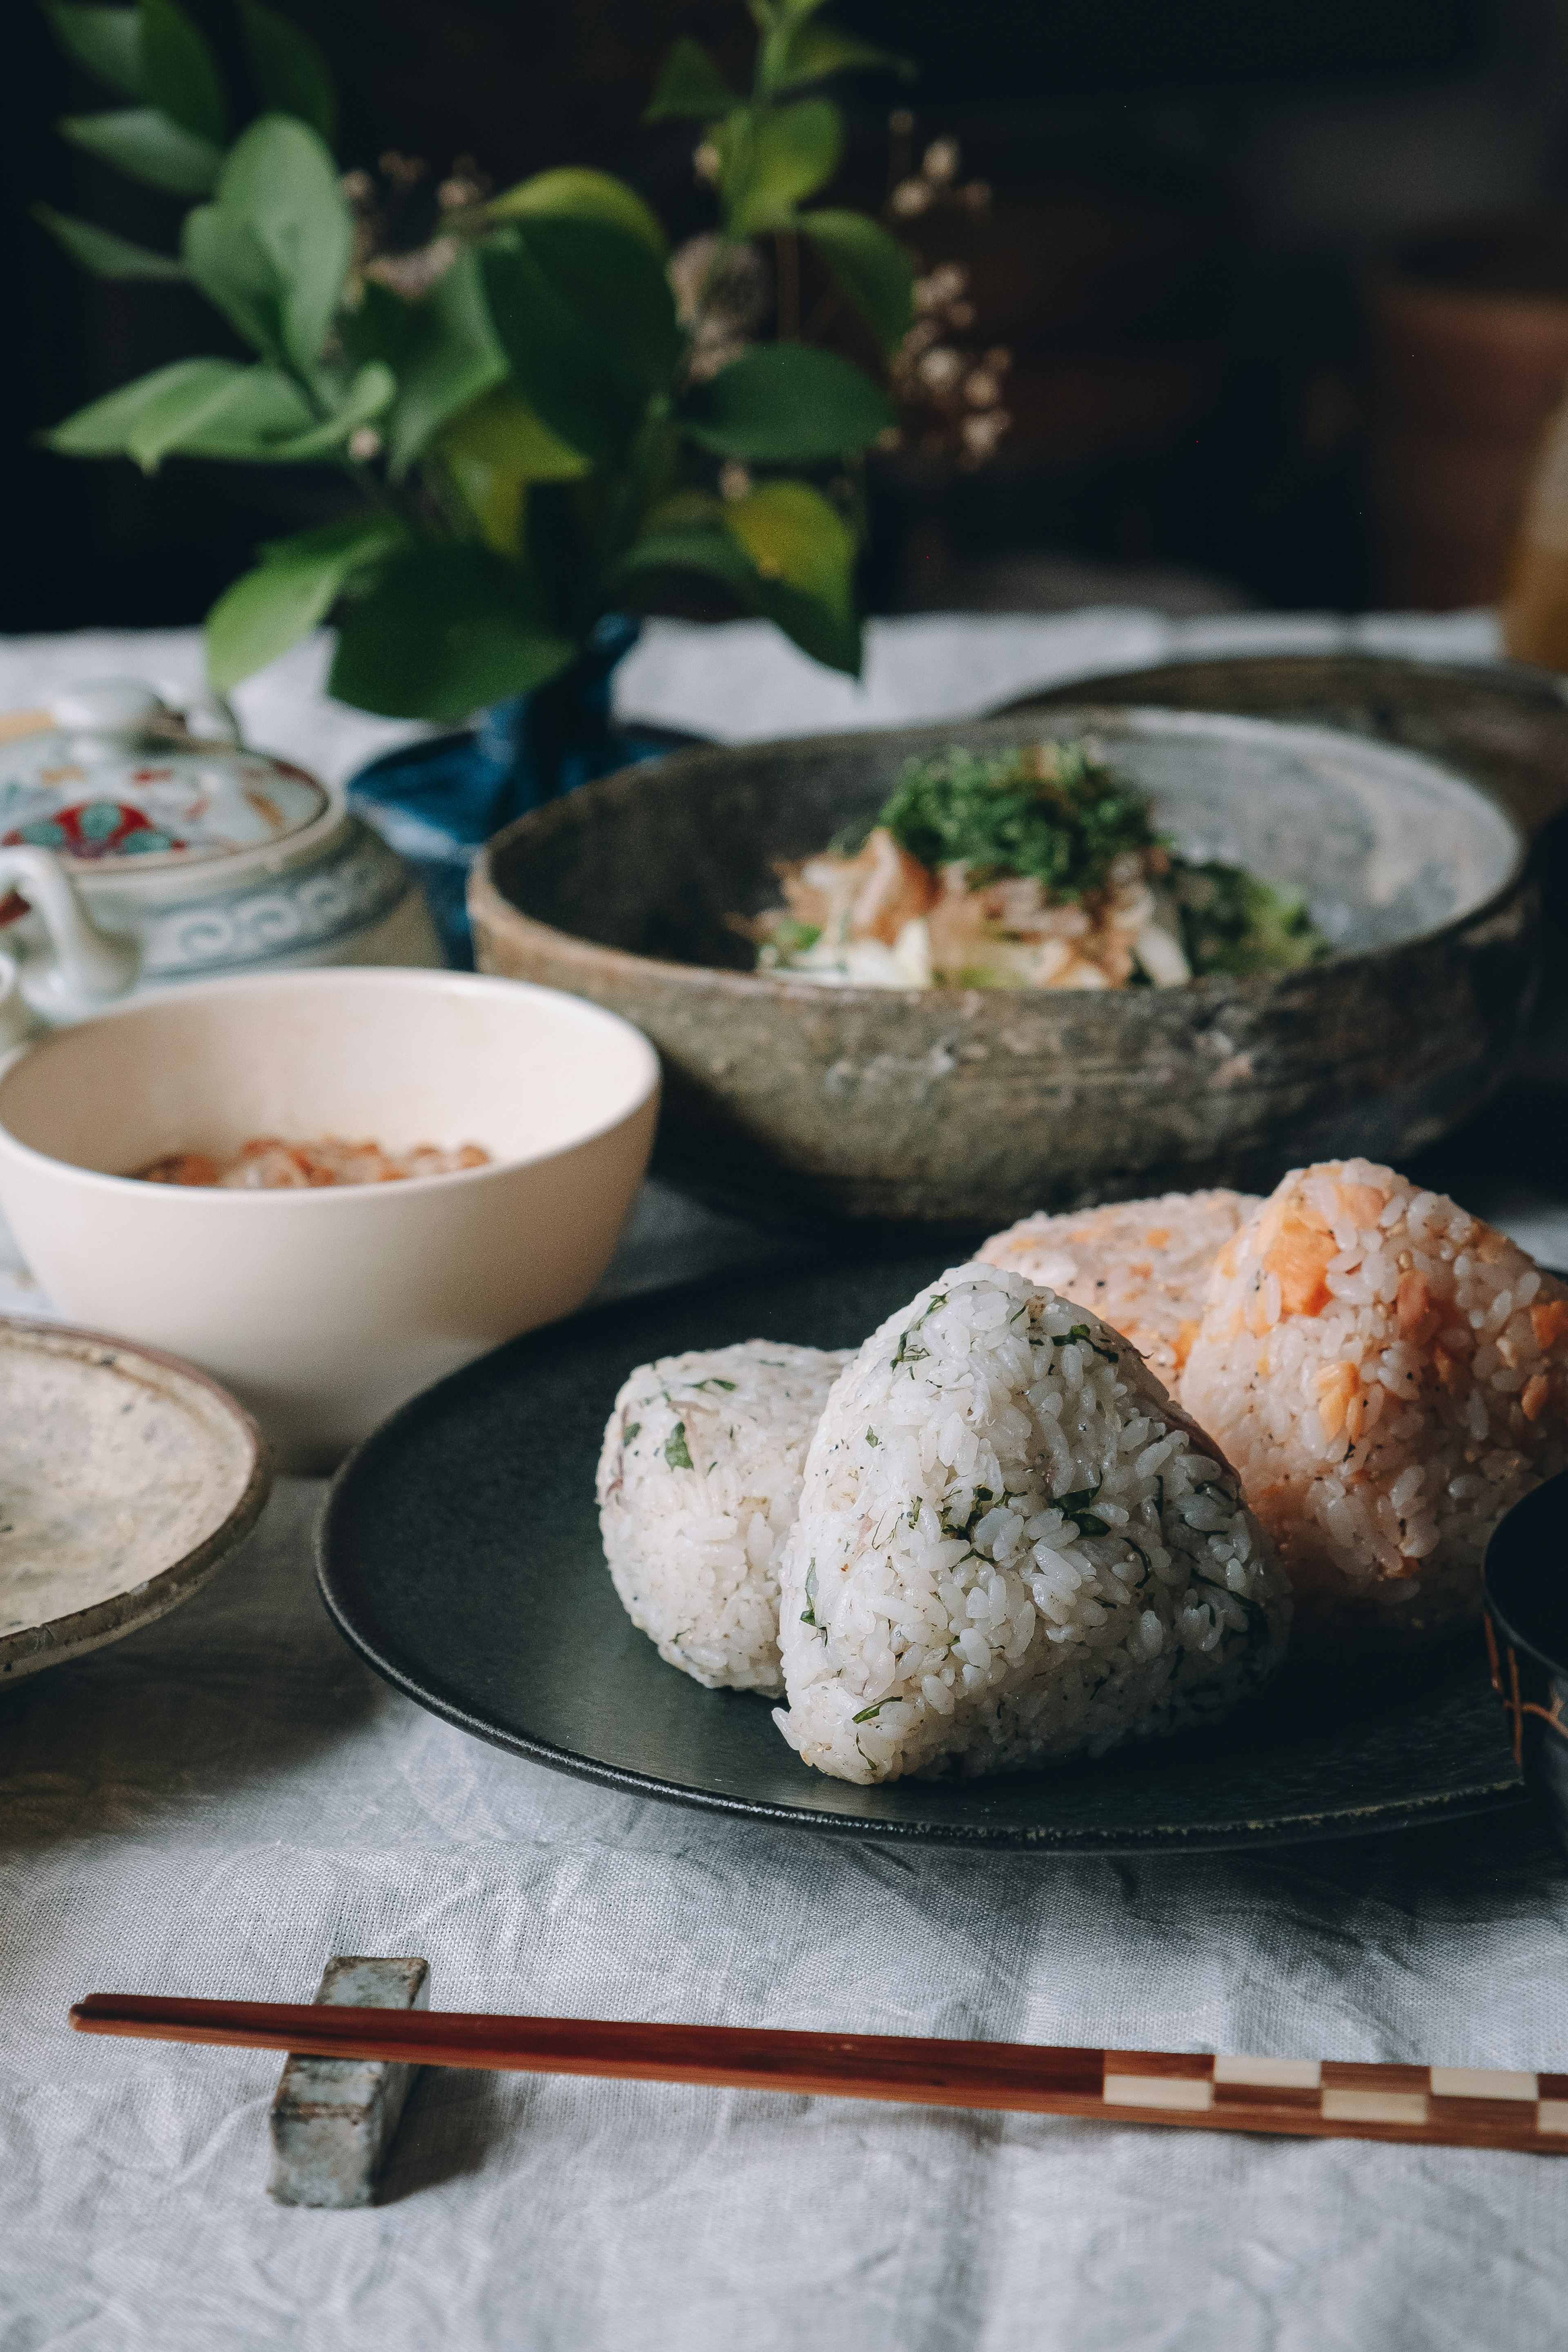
x=1389, y=1375
x=1140, y=1265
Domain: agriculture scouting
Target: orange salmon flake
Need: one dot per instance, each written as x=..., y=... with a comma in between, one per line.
x=1414, y=1311
x=1549, y=1322
x=1363, y=1203
x=1301, y=1258
x=1337, y=1384
x=1156, y=1237
x=1536, y=1391
x=1186, y=1334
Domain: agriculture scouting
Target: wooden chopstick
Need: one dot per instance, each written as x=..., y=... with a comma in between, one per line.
x=1439, y=2106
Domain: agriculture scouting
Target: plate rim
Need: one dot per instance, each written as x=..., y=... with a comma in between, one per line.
x=32, y=1648
x=1507, y=1792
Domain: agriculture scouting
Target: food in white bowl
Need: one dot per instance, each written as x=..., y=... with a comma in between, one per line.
x=272, y=1163
x=1035, y=867
x=325, y=1306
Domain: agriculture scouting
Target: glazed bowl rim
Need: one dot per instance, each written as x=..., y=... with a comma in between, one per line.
x=577, y=808
x=339, y=1199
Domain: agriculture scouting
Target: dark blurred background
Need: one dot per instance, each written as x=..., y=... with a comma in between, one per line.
x=1255, y=361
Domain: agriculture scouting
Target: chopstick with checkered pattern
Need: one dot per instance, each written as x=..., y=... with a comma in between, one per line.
x=1439, y=2106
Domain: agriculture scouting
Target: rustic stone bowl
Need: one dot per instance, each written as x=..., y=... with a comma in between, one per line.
x=964, y=1108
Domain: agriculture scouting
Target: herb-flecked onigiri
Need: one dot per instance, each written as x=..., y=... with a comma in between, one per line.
x=1011, y=1545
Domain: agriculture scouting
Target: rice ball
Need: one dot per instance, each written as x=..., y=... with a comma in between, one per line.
x=1388, y=1375
x=698, y=1479
x=1011, y=1545
x=1141, y=1265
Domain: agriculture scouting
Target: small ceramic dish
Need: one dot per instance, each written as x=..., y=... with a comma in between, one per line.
x=126, y=1480
x=966, y=1107
x=1527, y=1639
x=325, y=1308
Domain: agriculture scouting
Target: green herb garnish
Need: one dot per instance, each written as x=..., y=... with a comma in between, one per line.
x=1049, y=810
x=677, y=1453
x=917, y=1355
x=634, y=1431
x=1079, y=1333
x=1075, y=1506
x=872, y=1438
x=1233, y=923
x=869, y=1714
x=808, y=1614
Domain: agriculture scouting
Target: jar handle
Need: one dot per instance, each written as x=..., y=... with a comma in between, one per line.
x=88, y=967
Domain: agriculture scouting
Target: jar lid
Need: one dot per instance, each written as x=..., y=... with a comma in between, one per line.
x=114, y=773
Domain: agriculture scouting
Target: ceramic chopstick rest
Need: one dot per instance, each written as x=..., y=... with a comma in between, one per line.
x=333, y=2118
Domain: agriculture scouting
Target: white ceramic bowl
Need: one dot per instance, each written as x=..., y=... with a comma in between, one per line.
x=323, y=1309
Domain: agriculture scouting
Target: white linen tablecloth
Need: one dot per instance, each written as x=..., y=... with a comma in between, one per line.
x=217, y=1804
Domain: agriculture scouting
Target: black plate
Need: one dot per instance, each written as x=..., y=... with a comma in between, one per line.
x=459, y=1553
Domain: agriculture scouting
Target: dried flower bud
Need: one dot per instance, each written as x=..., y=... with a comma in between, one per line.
x=900, y=122
x=412, y=275
x=942, y=160
x=403, y=170
x=976, y=195
x=356, y=187
x=961, y=314
x=998, y=359
x=365, y=443
x=947, y=283
x=706, y=162
x=979, y=435
x=939, y=368
x=909, y=197
x=890, y=438
x=982, y=389
x=734, y=480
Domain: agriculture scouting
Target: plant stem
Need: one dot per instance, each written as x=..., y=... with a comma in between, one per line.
x=787, y=246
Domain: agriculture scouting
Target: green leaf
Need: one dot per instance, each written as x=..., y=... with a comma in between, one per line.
x=367, y=397
x=147, y=419
x=583, y=195
x=217, y=408
x=146, y=145
x=99, y=250
x=780, y=404
x=869, y=267
x=792, y=533
x=290, y=75
x=689, y=85
x=800, y=52
x=445, y=355
x=295, y=585
x=273, y=251
x=586, y=321
x=492, y=451
x=827, y=635
x=107, y=41
x=617, y=291
x=179, y=72
x=447, y=628
x=773, y=159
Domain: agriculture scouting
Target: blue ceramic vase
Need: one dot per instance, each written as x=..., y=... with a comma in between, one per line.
x=439, y=801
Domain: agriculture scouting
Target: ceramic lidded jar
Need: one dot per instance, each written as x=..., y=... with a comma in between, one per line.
x=139, y=848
